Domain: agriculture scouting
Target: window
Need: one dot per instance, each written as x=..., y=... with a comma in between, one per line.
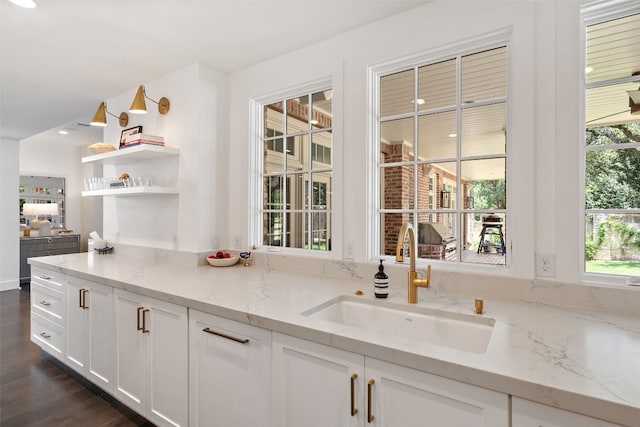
x=297, y=171
x=442, y=129
x=612, y=146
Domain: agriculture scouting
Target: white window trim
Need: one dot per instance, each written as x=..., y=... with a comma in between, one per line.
x=501, y=37
x=594, y=13
x=256, y=117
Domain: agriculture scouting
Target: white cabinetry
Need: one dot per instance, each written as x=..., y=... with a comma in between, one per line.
x=48, y=313
x=133, y=155
x=530, y=414
x=229, y=372
x=312, y=384
x=90, y=339
x=151, y=357
x=405, y=397
x=316, y=385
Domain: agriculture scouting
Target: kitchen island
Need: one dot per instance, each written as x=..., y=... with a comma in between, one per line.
x=575, y=359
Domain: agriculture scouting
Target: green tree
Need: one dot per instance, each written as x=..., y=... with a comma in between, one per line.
x=489, y=194
x=612, y=179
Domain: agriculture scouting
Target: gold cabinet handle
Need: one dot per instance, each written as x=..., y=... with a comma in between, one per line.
x=139, y=326
x=370, y=416
x=144, y=321
x=229, y=337
x=45, y=303
x=84, y=299
x=45, y=335
x=354, y=410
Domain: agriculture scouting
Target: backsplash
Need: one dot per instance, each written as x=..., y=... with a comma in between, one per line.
x=622, y=300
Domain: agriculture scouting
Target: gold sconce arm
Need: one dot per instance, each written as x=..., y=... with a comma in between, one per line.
x=139, y=106
x=100, y=118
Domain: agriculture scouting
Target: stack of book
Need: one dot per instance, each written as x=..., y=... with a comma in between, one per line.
x=143, y=138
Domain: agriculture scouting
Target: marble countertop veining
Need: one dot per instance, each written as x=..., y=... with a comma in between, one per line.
x=575, y=359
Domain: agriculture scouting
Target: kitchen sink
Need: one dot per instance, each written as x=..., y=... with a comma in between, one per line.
x=459, y=331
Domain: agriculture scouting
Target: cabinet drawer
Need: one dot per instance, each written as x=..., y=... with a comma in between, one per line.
x=48, y=303
x=48, y=278
x=47, y=335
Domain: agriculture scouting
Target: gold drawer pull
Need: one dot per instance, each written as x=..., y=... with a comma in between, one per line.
x=45, y=335
x=83, y=298
x=354, y=410
x=138, y=318
x=45, y=303
x=370, y=416
x=229, y=337
x=144, y=321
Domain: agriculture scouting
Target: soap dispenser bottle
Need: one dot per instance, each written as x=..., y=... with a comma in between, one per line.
x=381, y=282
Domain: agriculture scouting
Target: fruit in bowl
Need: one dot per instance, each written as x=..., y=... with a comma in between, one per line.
x=222, y=259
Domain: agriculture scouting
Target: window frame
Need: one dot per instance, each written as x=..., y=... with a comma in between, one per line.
x=256, y=170
x=496, y=39
x=593, y=14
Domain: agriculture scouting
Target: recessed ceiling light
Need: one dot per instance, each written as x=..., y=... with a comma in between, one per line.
x=420, y=101
x=453, y=135
x=29, y=4
x=314, y=122
x=587, y=70
x=63, y=132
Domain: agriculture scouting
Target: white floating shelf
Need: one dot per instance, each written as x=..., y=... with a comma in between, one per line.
x=132, y=154
x=131, y=191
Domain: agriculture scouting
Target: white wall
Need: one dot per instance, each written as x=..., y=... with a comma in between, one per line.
x=196, y=124
x=346, y=58
x=210, y=122
x=9, y=215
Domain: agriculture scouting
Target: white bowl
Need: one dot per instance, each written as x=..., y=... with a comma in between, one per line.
x=223, y=262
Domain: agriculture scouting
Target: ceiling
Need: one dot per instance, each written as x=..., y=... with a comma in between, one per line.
x=61, y=59
x=612, y=53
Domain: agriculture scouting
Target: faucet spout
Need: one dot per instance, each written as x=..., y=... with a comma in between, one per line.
x=414, y=282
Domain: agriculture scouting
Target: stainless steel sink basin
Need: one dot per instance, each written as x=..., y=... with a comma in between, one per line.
x=418, y=324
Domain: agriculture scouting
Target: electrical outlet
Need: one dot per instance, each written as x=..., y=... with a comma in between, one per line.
x=215, y=242
x=545, y=265
x=348, y=250
x=236, y=242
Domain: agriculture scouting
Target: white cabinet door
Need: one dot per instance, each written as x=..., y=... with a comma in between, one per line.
x=152, y=358
x=525, y=413
x=313, y=385
x=77, y=353
x=229, y=372
x=131, y=352
x=167, y=361
x=90, y=331
x=98, y=301
x=405, y=397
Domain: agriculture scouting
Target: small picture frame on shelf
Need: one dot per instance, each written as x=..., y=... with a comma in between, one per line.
x=127, y=132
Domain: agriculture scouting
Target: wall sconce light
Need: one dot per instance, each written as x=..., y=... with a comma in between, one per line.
x=100, y=118
x=445, y=199
x=139, y=106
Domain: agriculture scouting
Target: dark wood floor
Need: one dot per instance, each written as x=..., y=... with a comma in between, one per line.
x=37, y=390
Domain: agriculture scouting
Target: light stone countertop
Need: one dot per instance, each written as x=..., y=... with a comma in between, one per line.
x=586, y=361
